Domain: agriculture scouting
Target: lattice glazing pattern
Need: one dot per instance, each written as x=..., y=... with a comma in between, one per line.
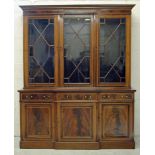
x=112, y=50
x=41, y=50
x=76, y=50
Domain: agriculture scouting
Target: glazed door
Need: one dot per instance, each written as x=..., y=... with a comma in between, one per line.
x=113, y=51
x=77, y=51
x=40, y=51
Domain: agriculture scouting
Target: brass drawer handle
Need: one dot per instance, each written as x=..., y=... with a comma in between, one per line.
x=67, y=97
x=127, y=96
x=26, y=97
x=31, y=96
x=88, y=97
x=104, y=97
x=44, y=97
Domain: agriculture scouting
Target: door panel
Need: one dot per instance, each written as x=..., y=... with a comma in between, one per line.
x=113, y=51
x=77, y=121
x=38, y=121
x=77, y=50
x=40, y=49
x=114, y=121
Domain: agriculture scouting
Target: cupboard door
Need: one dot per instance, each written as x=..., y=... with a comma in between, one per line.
x=37, y=121
x=114, y=51
x=77, y=121
x=40, y=49
x=114, y=121
x=77, y=50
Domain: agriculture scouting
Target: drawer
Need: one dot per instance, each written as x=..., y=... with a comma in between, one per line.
x=76, y=96
x=45, y=97
x=116, y=97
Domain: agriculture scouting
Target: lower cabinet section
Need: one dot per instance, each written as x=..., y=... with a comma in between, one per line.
x=77, y=121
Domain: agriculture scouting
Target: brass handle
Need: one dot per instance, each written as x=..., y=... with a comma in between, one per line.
x=104, y=96
x=26, y=96
x=31, y=96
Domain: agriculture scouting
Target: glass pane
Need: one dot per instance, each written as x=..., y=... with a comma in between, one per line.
x=39, y=24
x=41, y=51
x=49, y=34
x=76, y=50
x=112, y=50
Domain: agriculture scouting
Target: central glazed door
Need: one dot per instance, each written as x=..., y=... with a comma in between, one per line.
x=76, y=64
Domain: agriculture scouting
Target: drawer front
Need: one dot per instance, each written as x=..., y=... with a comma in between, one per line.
x=120, y=97
x=77, y=96
x=42, y=97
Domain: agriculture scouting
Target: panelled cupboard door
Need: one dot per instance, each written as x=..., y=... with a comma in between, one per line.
x=113, y=51
x=40, y=50
x=77, y=50
x=76, y=121
x=37, y=121
x=114, y=121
